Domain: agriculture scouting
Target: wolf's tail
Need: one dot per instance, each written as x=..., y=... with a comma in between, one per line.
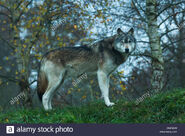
x=42, y=84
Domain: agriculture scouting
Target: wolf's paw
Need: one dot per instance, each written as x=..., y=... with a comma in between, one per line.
x=110, y=104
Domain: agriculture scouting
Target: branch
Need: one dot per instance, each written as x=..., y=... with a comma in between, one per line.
x=143, y=19
x=5, y=8
x=19, y=4
x=143, y=42
x=11, y=79
x=163, y=34
x=169, y=6
x=7, y=43
x=32, y=82
x=142, y=55
x=23, y=11
x=170, y=16
x=1, y=13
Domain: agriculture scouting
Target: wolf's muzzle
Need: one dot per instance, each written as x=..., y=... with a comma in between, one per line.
x=127, y=50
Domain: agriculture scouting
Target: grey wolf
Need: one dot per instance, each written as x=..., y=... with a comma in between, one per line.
x=101, y=58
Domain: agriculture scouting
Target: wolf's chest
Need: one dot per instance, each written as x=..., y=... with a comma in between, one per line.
x=109, y=66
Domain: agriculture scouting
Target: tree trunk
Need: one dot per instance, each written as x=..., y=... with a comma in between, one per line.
x=25, y=88
x=181, y=64
x=23, y=68
x=154, y=40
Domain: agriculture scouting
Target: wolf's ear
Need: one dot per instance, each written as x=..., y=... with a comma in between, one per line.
x=119, y=31
x=131, y=31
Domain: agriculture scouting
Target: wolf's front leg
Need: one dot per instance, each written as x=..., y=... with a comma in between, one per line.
x=103, y=81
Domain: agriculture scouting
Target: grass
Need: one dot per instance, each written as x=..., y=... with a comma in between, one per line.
x=166, y=107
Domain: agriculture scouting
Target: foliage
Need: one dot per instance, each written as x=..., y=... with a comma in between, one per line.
x=167, y=107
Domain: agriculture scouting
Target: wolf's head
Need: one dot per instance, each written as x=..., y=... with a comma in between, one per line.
x=125, y=42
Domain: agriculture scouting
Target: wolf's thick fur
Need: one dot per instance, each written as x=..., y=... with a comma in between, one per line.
x=102, y=58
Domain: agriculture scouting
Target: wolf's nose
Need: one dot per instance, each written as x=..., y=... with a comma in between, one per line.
x=127, y=50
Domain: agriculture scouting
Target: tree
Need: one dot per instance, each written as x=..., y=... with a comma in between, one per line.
x=28, y=48
x=154, y=40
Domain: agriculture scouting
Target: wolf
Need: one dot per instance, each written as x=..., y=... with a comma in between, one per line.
x=101, y=58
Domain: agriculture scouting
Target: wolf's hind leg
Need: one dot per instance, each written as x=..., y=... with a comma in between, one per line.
x=54, y=81
x=103, y=81
x=46, y=99
x=61, y=80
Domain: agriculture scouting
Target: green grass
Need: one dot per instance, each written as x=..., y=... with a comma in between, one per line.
x=166, y=107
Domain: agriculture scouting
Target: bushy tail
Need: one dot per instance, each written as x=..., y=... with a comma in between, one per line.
x=42, y=84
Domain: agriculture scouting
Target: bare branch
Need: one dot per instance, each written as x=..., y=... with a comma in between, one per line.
x=7, y=42
x=170, y=16
x=169, y=6
x=11, y=79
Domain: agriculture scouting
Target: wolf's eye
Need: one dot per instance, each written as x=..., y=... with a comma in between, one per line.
x=129, y=41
